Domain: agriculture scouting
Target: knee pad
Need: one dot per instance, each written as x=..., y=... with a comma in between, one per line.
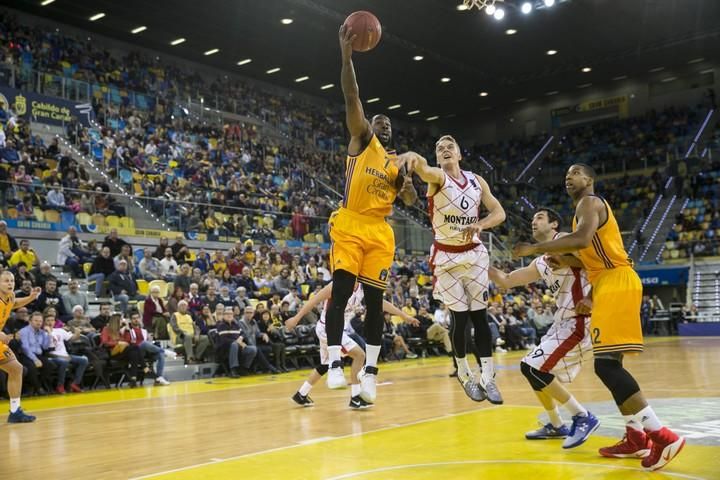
x=621, y=384
x=322, y=369
x=537, y=379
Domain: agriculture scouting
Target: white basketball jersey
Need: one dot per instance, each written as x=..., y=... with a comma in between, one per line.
x=454, y=207
x=567, y=285
x=354, y=301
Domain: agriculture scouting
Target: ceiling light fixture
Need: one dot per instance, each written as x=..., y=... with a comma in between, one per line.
x=418, y=58
x=430, y=119
x=46, y=2
x=413, y=112
x=499, y=14
x=510, y=31
x=554, y=92
x=244, y=62
x=551, y=52
x=286, y=21
x=549, y=3
x=490, y=9
x=483, y=94
x=445, y=79
x=329, y=85
x=212, y=51
x=177, y=41
x=696, y=60
x=138, y=29
x=586, y=69
x=373, y=100
x=460, y=8
x=585, y=85
x=668, y=79
x=656, y=69
x=97, y=16
x=394, y=107
x=620, y=77
x=302, y=79
x=273, y=70
x=526, y=8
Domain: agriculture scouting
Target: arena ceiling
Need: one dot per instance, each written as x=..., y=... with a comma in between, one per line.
x=643, y=39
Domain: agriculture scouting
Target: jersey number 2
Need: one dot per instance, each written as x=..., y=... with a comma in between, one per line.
x=596, y=336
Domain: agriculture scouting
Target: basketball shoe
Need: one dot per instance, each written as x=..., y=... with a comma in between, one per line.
x=18, y=416
x=336, y=377
x=548, y=431
x=582, y=427
x=666, y=445
x=634, y=444
x=357, y=403
x=472, y=388
x=368, y=381
x=493, y=393
x=303, y=400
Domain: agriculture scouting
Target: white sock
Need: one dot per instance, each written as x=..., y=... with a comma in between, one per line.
x=555, y=417
x=333, y=353
x=305, y=389
x=14, y=404
x=648, y=419
x=463, y=367
x=355, y=389
x=371, y=355
x=488, y=369
x=574, y=407
x=632, y=423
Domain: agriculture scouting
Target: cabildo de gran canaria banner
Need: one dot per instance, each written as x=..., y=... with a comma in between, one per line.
x=32, y=107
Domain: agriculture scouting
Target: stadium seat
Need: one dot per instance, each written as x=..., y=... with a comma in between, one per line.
x=143, y=287
x=52, y=216
x=127, y=222
x=12, y=212
x=39, y=214
x=83, y=218
x=112, y=221
x=98, y=220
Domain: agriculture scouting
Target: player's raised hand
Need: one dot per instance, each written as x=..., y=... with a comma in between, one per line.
x=35, y=292
x=584, y=306
x=555, y=262
x=523, y=249
x=5, y=338
x=292, y=322
x=346, y=41
x=474, y=229
x=413, y=161
x=411, y=320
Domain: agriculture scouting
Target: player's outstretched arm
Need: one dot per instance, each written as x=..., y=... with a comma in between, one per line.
x=418, y=165
x=516, y=278
x=393, y=310
x=307, y=307
x=588, y=220
x=21, y=302
x=358, y=125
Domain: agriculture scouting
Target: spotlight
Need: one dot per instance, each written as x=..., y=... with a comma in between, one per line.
x=549, y=3
x=526, y=8
x=490, y=9
x=499, y=14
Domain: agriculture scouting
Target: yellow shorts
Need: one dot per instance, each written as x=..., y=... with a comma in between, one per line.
x=362, y=245
x=6, y=354
x=615, y=320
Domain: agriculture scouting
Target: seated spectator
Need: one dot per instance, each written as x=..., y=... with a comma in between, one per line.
x=156, y=315
x=112, y=338
x=393, y=343
x=103, y=266
x=241, y=298
x=43, y=273
x=184, y=332
x=180, y=251
x=136, y=335
x=257, y=339
x=231, y=339
x=62, y=359
x=184, y=277
x=114, y=243
x=55, y=199
x=202, y=261
x=123, y=287
x=149, y=266
x=22, y=275
x=81, y=322
x=51, y=298
x=168, y=266
x=219, y=265
x=74, y=297
x=159, y=252
x=194, y=299
x=225, y=297
x=34, y=343
x=436, y=331
x=103, y=317
x=127, y=256
x=24, y=255
x=26, y=209
x=172, y=303
x=211, y=299
x=17, y=322
x=8, y=244
x=272, y=330
x=282, y=283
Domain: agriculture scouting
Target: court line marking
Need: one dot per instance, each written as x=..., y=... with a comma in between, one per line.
x=339, y=437
x=520, y=462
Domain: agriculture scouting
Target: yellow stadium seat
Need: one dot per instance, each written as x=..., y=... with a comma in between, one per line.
x=127, y=222
x=98, y=219
x=39, y=214
x=141, y=306
x=143, y=287
x=192, y=256
x=51, y=163
x=52, y=216
x=86, y=268
x=254, y=302
x=163, y=287
x=305, y=289
x=138, y=189
x=83, y=218
x=12, y=212
x=46, y=173
x=309, y=237
x=112, y=221
x=319, y=238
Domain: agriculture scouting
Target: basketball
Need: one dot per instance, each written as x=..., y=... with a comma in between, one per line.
x=367, y=28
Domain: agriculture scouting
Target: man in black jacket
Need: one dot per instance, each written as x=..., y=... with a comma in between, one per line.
x=123, y=287
x=231, y=339
x=114, y=242
x=257, y=339
x=103, y=266
x=51, y=298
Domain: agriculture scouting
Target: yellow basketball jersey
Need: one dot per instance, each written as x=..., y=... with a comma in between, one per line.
x=606, y=251
x=370, y=181
x=5, y=310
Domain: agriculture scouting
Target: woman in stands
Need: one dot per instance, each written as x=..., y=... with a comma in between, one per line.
x=120, y=350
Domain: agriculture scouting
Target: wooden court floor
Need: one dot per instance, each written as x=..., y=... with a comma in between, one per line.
x=423, y=427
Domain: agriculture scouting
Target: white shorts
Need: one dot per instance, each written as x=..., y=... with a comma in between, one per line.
x=346, y=343
x=563, y=349
x=461, y=279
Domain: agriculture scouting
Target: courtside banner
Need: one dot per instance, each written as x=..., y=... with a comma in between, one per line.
x=32, y=107
x=663, y=276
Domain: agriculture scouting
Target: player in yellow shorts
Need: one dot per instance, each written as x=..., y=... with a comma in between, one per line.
x=8, y=362
x=363, y=244
x=615, y=322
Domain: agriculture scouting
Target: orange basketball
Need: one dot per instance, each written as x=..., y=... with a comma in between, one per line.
x=367, y=28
